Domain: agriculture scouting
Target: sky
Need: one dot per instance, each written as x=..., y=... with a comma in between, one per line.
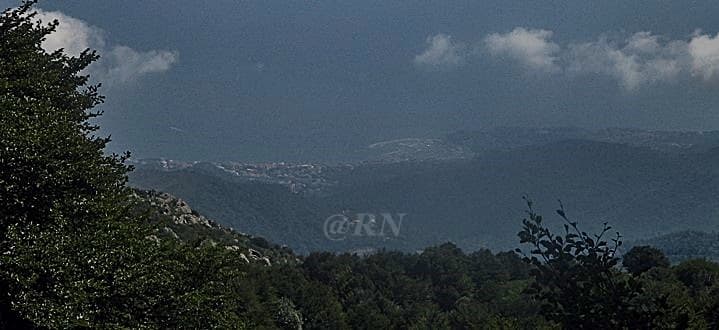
x=311, y=80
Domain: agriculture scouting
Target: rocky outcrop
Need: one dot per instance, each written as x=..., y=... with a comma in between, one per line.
x=178, y=210
x=174, y=219
x=169, y=232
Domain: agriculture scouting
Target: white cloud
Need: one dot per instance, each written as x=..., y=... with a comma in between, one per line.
x=124, y=64
x=532, y=48
x=117, y=64
x=639, y=60
x=72, y=34
x=643, y=42
x=704, y=51
x=441, y=53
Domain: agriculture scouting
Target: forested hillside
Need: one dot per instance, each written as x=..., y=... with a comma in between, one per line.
x=644, y=192
x=685, y=245
x=261, y=209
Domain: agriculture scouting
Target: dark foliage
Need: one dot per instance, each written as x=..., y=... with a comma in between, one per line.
x=643, y=258
x=577, y=280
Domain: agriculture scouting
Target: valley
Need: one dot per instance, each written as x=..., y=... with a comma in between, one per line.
x=645, y=184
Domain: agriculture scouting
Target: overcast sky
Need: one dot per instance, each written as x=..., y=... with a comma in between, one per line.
x=273, y=80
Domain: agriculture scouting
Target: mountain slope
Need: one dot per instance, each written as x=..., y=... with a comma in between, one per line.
x=642, y=191
x=503, y=138
x=684, y=245
x=172, y=218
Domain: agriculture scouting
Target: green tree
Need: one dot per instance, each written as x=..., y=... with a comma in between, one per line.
x=53, y=172
x=698, y=274
x=72, y=252
x=52, y=167
x=577, y=280
x=643, y=258
x=286, y=314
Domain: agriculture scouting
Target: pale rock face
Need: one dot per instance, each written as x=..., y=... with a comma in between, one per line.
x=170, y=232
x=180, y=213
x=254, y=254
x=183, y=207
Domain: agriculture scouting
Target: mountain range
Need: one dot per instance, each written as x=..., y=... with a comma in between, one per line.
x=466, y=188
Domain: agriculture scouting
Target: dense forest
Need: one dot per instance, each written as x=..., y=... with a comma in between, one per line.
x=80, y=249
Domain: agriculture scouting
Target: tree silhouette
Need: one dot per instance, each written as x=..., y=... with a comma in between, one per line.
x=577, y=280
x=643, y=258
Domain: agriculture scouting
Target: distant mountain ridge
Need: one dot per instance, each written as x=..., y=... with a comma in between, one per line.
x=297, y=178
x=465, y=145
x=645, y=184
x=514, y=137
x=684, y=245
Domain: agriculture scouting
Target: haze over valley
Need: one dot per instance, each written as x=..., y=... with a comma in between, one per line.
x=466, y=188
